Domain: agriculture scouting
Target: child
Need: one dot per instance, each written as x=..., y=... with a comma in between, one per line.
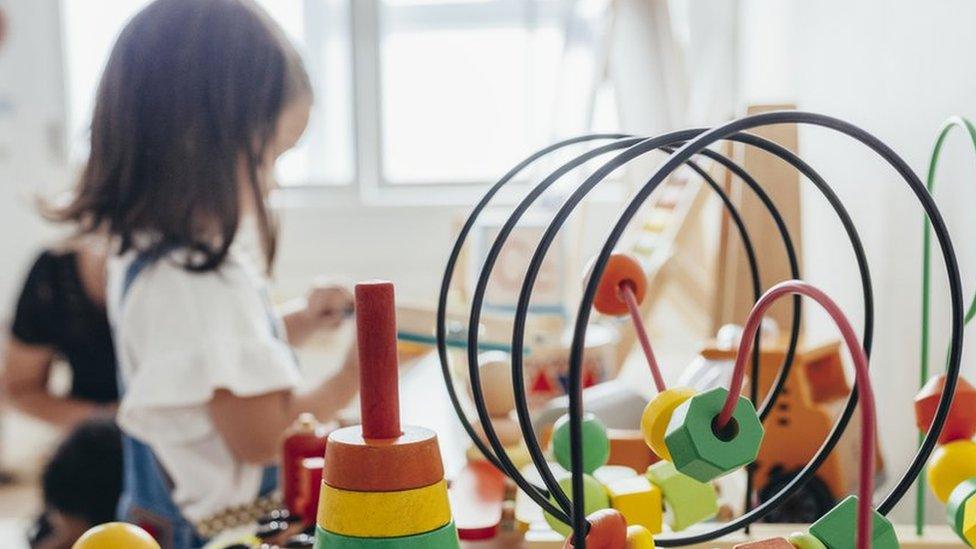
x=198, y=100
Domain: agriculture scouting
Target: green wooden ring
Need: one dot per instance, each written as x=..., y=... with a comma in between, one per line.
x=445, y=537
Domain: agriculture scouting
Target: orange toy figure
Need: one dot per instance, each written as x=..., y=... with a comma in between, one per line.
x=608, y=530
x=961, y=422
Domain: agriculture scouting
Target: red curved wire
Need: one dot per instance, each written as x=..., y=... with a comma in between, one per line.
x=865, y=392
x=627, y=291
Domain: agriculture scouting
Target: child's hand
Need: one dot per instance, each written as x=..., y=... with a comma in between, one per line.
x=327, y=305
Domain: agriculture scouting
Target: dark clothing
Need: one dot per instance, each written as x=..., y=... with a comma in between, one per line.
x=55, y=311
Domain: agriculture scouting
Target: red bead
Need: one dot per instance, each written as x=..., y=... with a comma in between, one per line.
x=621, y=269
x=961, y=422
x=608, y=530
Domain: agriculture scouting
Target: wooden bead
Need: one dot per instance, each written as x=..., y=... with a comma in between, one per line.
x=639, y=537
x=411, y=461
x=494, y=369
x=687, y=500
x=594, y=494
x=804, y=540
x=961, y=422
x=621, y=268
x=627, y=447
x=596, y=445
x=956, y=505
x=951, y=465
x=969, y=522
x=699, y=450
x=657, y=414
x=113, y=535
x=384, y=514
x=608, y=530
x=506, y=429
x=638, y=501
x=771, y=543
x=838, y=527
x=611, y=473
x=442, y=538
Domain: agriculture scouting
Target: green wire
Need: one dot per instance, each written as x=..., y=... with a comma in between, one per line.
x=952, y=122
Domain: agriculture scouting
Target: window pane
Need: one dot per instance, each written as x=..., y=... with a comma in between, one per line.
x=325, y=154
x=467, y=87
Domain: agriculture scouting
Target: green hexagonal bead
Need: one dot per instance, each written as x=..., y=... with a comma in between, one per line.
x=838, y=527
x=686, y=500
x=596, y=444
x=956, y=505
x=595, y=497
x=699, y=450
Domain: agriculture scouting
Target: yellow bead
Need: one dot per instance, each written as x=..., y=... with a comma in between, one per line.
x=384, y=514
x=638, y=501
x=657, y=414
x=969, y=522
x=639, y=537
x=951, y=465
x=116, y=534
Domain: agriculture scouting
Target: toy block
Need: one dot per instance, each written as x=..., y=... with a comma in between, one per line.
x=804, y=540
x=309, y=488
x=627, y=447
x=444, y=537
x=968, y=528
x=476, y=497
x=950, y=466
x=687, y=501
x=657, y=415
x=608, y=530
x=837, y=529
x=596, y=445
x=610, y=473
x=621, y=269
x=594, y=496
x=771, y=543
x=411, y=460
x=384, y=514
x=699, y=450
x=956, y=506
x=638, y=501
x=494, y=369
x=961, y=422
x=112, y=535
x=639, y=537
x=306, y=438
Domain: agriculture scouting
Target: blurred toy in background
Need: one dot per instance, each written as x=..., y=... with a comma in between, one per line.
x=304, y=440
x=115, y=535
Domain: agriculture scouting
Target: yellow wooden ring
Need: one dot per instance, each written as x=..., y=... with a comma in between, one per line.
x=384, y=514
x=950, y=466
x=657, y=414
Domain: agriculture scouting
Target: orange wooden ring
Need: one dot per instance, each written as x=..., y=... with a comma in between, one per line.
x=608, y=530
x=621, y=269
x=413, y=460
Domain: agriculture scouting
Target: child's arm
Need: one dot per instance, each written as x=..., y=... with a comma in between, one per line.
x=25, y=378
x=252, y=426
x=325, y=306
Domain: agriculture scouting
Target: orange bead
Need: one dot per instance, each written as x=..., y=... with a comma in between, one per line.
x=621, y=269
x=961, y=422
x=608, y=530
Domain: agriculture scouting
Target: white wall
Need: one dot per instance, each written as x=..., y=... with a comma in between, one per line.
x=897, y=69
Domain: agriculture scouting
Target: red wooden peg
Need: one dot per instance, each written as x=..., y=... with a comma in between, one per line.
x=379, y=375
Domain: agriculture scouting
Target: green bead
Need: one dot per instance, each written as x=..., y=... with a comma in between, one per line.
x=687, y=501
x=596, y=444
x=955, y=507
x=838, y=527
x=701, y=453
x=595, y=498
x=803, y=540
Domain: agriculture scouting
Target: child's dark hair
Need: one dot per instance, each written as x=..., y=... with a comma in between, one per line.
x=84, y=477
x=190, y=96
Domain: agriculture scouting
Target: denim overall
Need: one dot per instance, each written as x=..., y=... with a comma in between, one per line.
x=147, y=491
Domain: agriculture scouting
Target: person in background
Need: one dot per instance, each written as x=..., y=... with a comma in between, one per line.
x=197, y=101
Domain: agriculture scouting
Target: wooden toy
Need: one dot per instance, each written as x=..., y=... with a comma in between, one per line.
x=476, y=496
x=836, y=528
x=961, y=423
x=639, y=537
x=494, y=369
x=305, y=439
x=805, y=540
x=771, y=543
x=114, y=535
x=951, y=465
x=968, y=528
x=621, y=269
x=309, y=488
x=702, y=448
x=657, y=415
x=608, y=530
x=956, y=505
x=628, y=448
x=596, y=445
x=610, y=473
x=638, y=501
x=594, y=494
x=687, y=500
x=383, y=483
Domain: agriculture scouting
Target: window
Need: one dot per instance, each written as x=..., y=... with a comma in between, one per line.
x=409, y=93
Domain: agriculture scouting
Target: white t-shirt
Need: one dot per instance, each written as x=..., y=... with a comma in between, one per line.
x=179, y=336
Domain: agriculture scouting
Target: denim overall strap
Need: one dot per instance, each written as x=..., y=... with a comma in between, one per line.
x=147, y=498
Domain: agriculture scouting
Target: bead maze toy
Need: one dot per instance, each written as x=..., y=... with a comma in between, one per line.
x=699, y=436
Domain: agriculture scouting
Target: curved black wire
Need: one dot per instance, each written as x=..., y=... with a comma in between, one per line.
x=952, y=273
